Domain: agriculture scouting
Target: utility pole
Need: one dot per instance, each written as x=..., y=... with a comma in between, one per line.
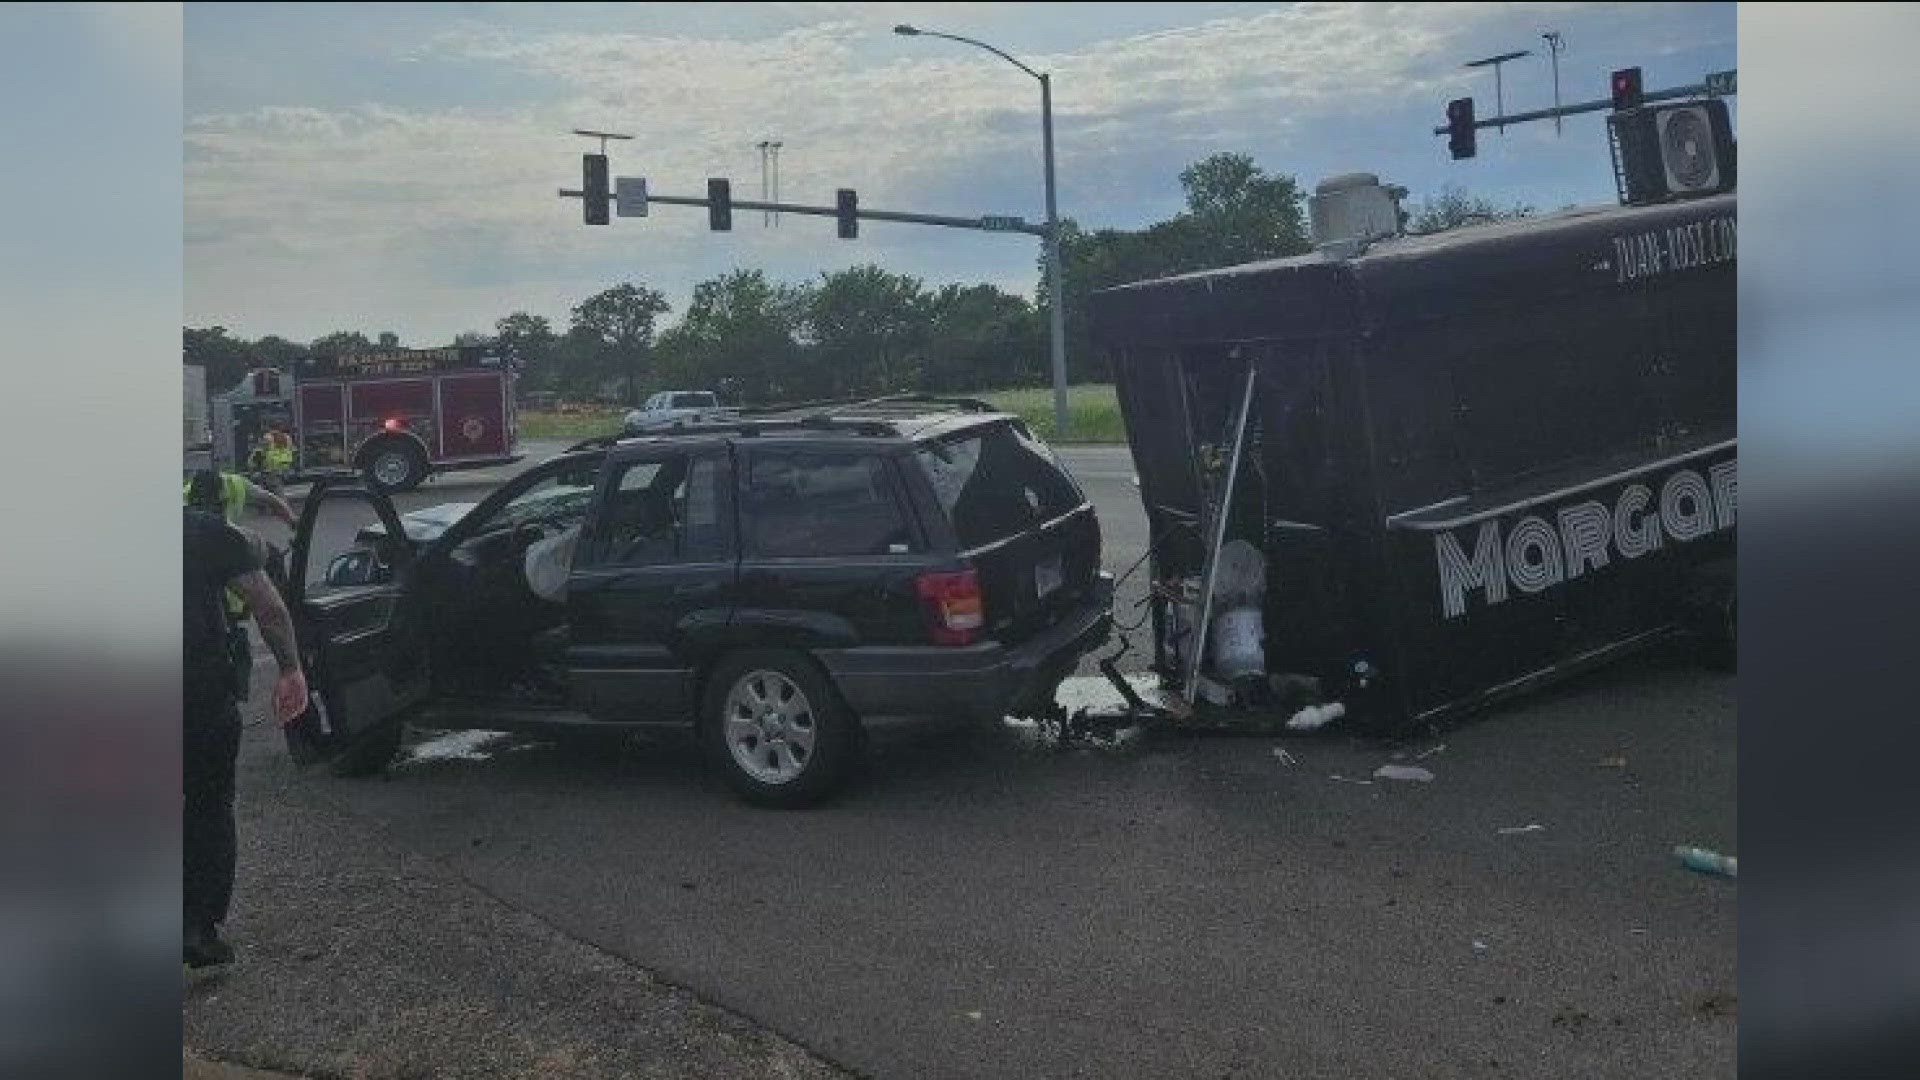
x=1056, y=311
x=766, y=189
x=1555, y=46
x=1499, y=89
x=775, y=146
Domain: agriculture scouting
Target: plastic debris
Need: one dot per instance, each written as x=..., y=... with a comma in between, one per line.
x=1612, y=763
x=1314, y=717
x=1516, y=830
x=1350, y=780
x=1479, y=946
x=1402, y=772
x=1429, y=752
x=974, y=1014
x=1285, y=758
x=1707, y=862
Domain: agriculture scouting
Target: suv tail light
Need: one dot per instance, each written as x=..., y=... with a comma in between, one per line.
x=954, y=606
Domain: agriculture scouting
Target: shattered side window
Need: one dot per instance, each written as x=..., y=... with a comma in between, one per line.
x=996, y=483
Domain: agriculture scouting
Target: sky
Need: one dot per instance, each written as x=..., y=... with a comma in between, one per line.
x=396, y=167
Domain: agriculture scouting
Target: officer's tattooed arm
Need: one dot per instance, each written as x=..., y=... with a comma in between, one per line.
x=271, y=615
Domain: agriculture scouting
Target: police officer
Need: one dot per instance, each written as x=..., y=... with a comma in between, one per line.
x=228, y=495
x=219, y=557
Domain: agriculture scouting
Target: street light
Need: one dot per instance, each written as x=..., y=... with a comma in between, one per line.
x=1057, y=308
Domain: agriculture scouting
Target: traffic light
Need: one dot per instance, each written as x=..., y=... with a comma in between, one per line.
x=1626, y=89
x=719, y=204
x=593, y=188
x=1460, y=133
x=849, y=213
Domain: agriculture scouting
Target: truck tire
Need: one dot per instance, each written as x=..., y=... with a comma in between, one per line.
x=776, y=728
x=394, y=464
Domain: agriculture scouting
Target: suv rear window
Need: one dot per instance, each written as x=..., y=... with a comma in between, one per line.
x=997, y=481
x=692, y=401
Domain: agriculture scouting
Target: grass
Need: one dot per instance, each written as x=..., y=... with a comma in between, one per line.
x=545, y=424
x=1092, y=411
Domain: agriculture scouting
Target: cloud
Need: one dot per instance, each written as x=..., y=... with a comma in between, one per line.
x=318, y=201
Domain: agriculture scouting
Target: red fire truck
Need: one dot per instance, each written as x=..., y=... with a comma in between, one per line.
x=394, y=414
x=402, y=414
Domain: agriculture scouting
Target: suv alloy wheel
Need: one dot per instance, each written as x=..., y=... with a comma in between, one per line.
x=776, y=728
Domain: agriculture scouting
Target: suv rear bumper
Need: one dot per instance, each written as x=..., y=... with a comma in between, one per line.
x=985, y=680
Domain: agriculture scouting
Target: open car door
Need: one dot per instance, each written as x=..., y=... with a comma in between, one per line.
x=365, y=656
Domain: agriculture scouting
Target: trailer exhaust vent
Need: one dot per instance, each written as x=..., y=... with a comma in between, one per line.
x=1351, y=211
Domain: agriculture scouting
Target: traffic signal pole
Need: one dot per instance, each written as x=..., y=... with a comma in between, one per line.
x=984, y=223
x=1695, y=90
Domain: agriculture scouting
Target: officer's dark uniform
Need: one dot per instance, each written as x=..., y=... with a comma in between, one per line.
x=215, y=554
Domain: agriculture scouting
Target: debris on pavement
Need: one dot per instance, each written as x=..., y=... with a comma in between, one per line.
x=1612, y=763
x=1402, y=772
x=1429, y=751
x=1479, y=946
x=1315, y=717
x=1515, y=830
x=457, y=746
x=1350, y=780
x=1707, y=862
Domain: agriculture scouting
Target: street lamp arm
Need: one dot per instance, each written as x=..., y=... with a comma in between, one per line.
x=983, y=45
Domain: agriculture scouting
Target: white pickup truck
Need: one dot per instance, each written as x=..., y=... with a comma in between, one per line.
x=675, y=408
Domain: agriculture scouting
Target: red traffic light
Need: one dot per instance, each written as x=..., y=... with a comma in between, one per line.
x=1626, y=88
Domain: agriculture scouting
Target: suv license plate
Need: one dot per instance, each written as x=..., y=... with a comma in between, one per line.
x=1047, y=577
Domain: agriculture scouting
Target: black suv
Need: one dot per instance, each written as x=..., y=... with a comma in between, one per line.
x=780, y=581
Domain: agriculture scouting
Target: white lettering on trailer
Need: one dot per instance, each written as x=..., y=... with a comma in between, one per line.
x=1486, y=570
x=1725, y=480
x=1587, y=529
x=1536, y=555
x=1681, y=247
x=1533, y=556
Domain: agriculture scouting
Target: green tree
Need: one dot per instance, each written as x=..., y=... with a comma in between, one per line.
x=226, y=359
x=620, y=324
x=1453, y=207
x=868, y=328
x=981, y=338
x=1235, y=212
x=340, y=343
x=389, y=339
x=529, y=342
x=741, y=337
x=275, y=351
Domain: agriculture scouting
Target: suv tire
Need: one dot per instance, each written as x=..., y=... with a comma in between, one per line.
x=371, y=753
x=776, y=728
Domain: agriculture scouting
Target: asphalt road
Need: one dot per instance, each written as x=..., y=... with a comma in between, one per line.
x=984, y=906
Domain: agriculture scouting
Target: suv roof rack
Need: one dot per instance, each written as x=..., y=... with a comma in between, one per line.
x=885, y=403
x=759, y=426
x=598, y=442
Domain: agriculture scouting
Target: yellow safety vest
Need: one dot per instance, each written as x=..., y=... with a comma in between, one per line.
x=279, y=457
x=233, y=499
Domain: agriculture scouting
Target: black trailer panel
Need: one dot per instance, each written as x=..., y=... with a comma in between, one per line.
x=1479, y=459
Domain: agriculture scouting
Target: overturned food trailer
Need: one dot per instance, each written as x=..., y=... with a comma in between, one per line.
x=1422, y=474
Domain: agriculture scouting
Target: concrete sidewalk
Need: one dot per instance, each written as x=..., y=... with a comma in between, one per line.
x=357, y=957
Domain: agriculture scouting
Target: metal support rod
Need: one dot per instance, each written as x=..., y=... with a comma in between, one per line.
x=1198, y=644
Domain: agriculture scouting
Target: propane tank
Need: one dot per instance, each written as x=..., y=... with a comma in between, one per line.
x=1238, y=632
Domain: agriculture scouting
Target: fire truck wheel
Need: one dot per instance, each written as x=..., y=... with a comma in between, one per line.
x=395, y=464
